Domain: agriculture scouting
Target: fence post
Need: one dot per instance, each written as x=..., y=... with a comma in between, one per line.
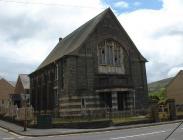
x=155, y=111
x=172, y=109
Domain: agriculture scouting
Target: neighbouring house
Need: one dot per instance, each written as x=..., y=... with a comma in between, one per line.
x=158, y=85
x=174, y=89
x=22, y=89
x=6, y=88
x=94, y=67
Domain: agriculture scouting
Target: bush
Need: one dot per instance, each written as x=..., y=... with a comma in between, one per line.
x=158, y=95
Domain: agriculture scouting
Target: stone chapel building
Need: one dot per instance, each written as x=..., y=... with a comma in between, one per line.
x=94, y=67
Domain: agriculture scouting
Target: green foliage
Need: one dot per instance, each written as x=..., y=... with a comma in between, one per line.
x=158, y=95
x=119, y=120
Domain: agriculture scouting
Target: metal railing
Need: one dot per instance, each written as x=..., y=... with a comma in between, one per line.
x=17, y=113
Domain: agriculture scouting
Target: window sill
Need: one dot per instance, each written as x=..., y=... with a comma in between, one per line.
x=110, y=65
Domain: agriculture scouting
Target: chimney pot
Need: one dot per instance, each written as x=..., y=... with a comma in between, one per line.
x=60, y=39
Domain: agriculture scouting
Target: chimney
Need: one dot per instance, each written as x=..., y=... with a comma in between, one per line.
x=60, y=39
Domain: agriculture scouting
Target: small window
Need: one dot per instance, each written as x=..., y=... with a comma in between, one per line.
x=83, y=104
x=103, y=56
x=56, y=72
x=62, y=77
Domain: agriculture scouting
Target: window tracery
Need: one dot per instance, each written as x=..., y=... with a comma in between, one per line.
x=110, y=52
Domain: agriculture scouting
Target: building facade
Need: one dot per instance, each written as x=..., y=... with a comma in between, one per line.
x=174, y=89
x=6, y=88
x=22, y=89
x=94, y=67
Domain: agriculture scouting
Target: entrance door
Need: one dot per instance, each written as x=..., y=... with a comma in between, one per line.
x=106, y=99
x=122, y=98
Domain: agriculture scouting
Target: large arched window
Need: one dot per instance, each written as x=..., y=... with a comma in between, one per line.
x=111, y=53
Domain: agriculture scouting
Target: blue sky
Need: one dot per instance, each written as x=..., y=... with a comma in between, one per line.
x=30, y=29
x=131, y=5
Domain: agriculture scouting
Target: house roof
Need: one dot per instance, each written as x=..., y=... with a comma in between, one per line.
x=8, y=82
x=5, y=89
x=157, y=85
x=25, y=81
x=178, y=74
x=164, y=83
x=13, y=83
x=74, y=40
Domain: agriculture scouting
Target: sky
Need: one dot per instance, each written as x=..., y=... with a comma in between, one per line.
x=30, y=29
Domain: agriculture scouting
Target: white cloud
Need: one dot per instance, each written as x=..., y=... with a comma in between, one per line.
x=137, y=3
x=121, y=4
x=30, y=31
x=159, y=36
x=3, y=74
x=174, y=71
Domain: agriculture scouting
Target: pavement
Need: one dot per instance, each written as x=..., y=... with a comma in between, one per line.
x=33, y=132
x=156, y=132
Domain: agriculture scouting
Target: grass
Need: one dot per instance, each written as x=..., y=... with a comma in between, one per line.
x=129, y=119
x=117, y=120
x=179, y=113
x=76, y=120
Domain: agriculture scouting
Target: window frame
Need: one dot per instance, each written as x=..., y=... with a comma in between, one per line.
x=109, y=53
x=83, y=102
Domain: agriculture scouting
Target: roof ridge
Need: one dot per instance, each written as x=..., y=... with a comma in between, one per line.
x=24, y=79
x=87, y=22
x=76, y=37
x=13, y=83
x=161, y=80
x=174, y=78
x=7, y=81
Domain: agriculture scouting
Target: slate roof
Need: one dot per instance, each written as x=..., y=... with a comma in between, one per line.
x=25, y=80
x=13, y=83
x=74, y=40
x=8, y=82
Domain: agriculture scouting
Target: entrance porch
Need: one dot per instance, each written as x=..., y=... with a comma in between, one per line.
x=119, y=100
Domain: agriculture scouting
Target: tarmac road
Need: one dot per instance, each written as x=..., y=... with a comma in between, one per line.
x=159, y=132
x=5, y=135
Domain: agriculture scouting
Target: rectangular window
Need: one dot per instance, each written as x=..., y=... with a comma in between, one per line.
x=56, y=98
x=62, y=76
x=106, y=54
x=99, y=55
x=83, y=104
x=56, y=72
x=116, y=57
x=103, y=55
x=110, y=55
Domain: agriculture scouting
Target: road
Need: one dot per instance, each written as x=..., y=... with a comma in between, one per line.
x=5, y=135
x=145, y=133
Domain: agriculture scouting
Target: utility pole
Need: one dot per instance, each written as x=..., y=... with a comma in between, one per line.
x=25, y=112
x=25, y=120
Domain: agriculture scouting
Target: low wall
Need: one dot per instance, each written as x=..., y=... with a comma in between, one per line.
x=84, y=125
